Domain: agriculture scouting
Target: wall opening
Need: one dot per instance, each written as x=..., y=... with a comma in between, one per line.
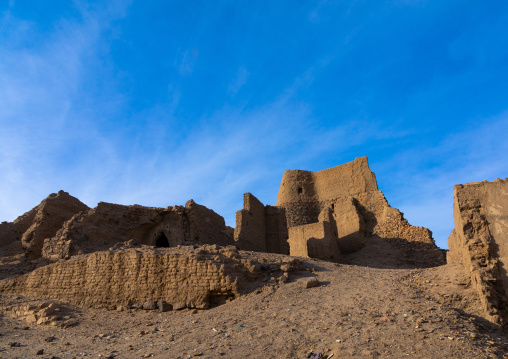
x=333, y=206
x=300, y=189
x=162, y=240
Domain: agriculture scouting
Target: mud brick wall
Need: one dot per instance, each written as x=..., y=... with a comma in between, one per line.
x=261, y=228
x=109, y=224
x=41, y=222
x=480, y=242
x=122, y=277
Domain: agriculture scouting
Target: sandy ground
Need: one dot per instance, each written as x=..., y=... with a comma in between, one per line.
x=357, y=311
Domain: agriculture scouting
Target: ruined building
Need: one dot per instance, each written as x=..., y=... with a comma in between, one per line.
x=480, y=242
x=186, y=256
x=337, y=210
x=61, y=227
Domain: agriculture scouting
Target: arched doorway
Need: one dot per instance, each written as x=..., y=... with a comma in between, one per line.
x=161, y=240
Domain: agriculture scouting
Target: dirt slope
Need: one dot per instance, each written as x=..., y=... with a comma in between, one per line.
x=356, y=312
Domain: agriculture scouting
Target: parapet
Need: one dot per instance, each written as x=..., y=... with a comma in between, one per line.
x=344, y=180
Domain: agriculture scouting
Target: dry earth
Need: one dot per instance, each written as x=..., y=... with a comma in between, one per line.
x=358, y=310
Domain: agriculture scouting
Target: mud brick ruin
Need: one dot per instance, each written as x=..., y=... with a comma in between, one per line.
x=339, y=209
x=261, y=228
x=182, y=277
x=108, y=224
x=186, y=257
x=480, y=242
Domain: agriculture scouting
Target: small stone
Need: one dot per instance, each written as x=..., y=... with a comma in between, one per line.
x=15, y=344
x=163, y=306
x=311, y=283
x=193, y=311
x=40, y=352
x=149, y=306
x=284, y=278
x=203, y=305
x=179, y=306
x=50, y=339
x=286, y=268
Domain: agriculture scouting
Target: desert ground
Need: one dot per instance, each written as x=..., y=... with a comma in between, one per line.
x=369, y=305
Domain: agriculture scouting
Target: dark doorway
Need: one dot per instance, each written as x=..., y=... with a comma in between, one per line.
x=162, y=240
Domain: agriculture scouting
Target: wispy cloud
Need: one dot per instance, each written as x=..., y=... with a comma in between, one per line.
x=40, y=120
x=239, y=81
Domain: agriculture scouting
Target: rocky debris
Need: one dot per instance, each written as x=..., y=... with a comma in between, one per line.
x=311, y=283
x=149, y=306
x=40, y=223
x=47, y=313
x=479, y=242
x=163, y=306
x=179, y=306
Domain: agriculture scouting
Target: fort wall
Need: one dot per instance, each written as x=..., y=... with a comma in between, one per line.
x=480, y=242
x=261, y=228
x=183, y=276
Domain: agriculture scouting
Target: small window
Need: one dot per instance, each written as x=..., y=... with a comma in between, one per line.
x=300, y=189
x=333, y=206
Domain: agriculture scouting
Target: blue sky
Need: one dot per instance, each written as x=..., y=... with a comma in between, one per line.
x=157, y=102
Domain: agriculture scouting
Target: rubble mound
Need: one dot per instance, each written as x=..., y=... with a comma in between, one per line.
x=46, y=313
x=480, y=242
x=29, y=230
x=181, y=277
x=339, y=210
x=109, y=224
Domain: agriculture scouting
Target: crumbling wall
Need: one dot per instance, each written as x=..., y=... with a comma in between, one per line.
x=305, y=194
x=276, y=230
x=178, y=276
x=206, y=226
x=109, y=224
x=315, y=240
x=41, y=222
x=259, y=228
x=480, y=242
x=359, y=208
x=250, y=229
x=350, y=224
